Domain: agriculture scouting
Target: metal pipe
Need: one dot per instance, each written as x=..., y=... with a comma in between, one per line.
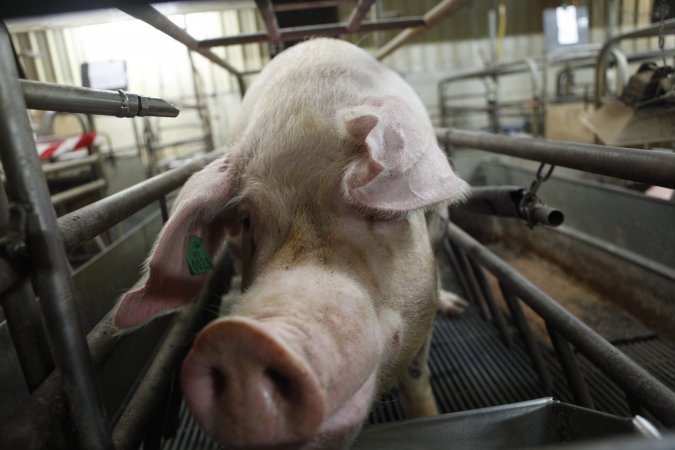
x=495, y=312
x=531, y=345
x=88, y=222
x=295, y=33
x=267, y=12
x=152, y=17
x=58, y=97
x=51, y=274
x=459, y=275
x=654, y=168
x=69, y=164
x=78, y=191
x=504, y=201
x=357, y=15
x=635, y=380
x=31, y=426
x=601, y=64
x=130, y=428
x=568, y=361
x=471, y=282
x=22, y=314
x=547, y=215
x=431, y=18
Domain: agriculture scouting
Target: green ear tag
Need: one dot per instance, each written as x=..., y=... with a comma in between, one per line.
x=197, y=258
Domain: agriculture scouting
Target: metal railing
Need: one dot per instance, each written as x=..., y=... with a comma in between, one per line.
x=468, y=258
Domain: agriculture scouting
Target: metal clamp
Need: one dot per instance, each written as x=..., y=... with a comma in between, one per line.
x=530, y=204
x=124, y=107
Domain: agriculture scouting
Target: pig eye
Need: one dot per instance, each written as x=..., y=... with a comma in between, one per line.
x=246, y=224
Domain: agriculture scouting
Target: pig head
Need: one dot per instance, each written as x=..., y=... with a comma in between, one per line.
x=323, y=192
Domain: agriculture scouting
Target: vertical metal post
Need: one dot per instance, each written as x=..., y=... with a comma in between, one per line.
x=50, y=269
x=568, y=361
x=471, y=281
x=531, y=344
x=459, y=274
x=23, y=320
x=495, y=312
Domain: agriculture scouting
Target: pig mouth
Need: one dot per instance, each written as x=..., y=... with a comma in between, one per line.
x=249, y=389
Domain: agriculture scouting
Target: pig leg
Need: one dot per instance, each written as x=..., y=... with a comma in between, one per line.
x=415, y=391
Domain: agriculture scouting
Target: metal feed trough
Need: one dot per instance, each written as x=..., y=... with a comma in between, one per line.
x=70, y=375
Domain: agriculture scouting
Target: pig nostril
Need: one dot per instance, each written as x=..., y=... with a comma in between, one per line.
x=217, y=380
x=282, y=383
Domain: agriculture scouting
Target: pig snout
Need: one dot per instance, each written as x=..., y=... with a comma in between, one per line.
x=249, y=389
x=283, y=370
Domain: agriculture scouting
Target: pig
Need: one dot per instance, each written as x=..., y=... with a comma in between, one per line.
x=323, y=191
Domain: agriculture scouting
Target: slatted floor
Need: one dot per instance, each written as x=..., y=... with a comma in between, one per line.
x=472, y=368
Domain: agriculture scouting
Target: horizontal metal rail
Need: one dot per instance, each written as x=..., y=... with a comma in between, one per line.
x=267, y=12
x=88, y=222
x=313, y=4
x=635, y=380
x=69, y=164
x=650, y=167
x=295, y=33
x=57, y=97
x=79, y=191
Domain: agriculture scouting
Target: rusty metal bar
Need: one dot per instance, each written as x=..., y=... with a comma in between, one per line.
x=358, y=14
x=295, y=33
x=431, y=18
x=650, y=167
x=267, y=12
x=635, y=380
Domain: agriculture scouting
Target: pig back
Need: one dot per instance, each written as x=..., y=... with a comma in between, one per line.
x=317, y=79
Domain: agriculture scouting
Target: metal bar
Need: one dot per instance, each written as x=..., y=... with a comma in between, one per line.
x=78, y=191
x=459, y=274
x=568, y=361
x=532, y=346
x=431, y=18
x=471, y=282
x=654, y=168
x=495, y=312
x=88, y=222
x=295, y=6
x=69, y=164
x=635, y=380
x=130, y=428
x=31, y=426
x=152, y=17
x=23, y=315
x=58, y=97
x=192, y=140
x=51, y=274
x=296, y=33
x=358, y=14
x=601, y=64
x=267, y=12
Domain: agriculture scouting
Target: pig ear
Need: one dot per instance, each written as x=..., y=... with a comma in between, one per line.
x=198, y=221
x=401, y=168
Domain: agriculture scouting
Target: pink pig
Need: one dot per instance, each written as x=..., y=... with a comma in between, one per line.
x=323, y=192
